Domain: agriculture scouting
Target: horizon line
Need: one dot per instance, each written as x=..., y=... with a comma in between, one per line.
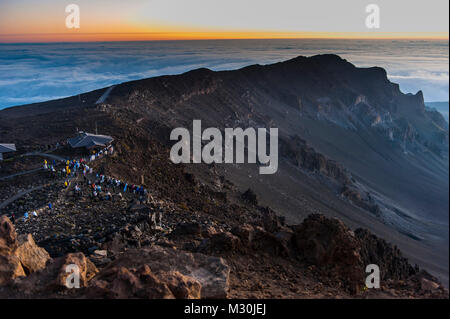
x=87, y=37
x=224, y=39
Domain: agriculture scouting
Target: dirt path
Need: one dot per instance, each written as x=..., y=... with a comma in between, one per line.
x=52, y=156
x=55, y=157
x=27, y=191
x=21, y=173
x=20, y=194
x=105, y=95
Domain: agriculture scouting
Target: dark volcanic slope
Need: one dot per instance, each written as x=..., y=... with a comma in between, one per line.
x=352, y=145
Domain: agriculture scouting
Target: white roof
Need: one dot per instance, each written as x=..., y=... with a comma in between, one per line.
x=89, y=140
x=4, y=148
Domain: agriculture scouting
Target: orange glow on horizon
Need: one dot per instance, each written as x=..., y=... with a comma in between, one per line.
x=205, y=35
x=143, y=20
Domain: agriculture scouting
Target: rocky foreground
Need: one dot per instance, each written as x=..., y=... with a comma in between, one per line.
x=319, y=258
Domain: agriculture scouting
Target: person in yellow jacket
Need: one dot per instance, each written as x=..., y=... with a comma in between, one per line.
x=66, y=184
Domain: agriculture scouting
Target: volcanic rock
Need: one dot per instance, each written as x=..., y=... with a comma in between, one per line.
x=10, y=269
x=7, y=236
x=377, y=251
x=211, y=272
x=333, y=247
x=32, y=257
x=221, y=242
x=182, y=287
x=121, y=282
x=87, y=269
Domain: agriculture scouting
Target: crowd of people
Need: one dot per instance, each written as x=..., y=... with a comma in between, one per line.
x=102, y=186
x=99, y=186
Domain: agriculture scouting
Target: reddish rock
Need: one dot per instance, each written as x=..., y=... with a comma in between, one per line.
x=8, y=242
x=121, y=283
x=211, y=272
x=32, y=257
x=87, y=269
x=18, y=256
x=10, y=269
x=428, y=285
x=182, y=287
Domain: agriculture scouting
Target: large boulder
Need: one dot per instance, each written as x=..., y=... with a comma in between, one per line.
x=32, y=257
x=51, y=281
x=259, y=239
x=330, y=245
x=87, y=270
x=19, y=256
x=180, y=271
x=124, y=283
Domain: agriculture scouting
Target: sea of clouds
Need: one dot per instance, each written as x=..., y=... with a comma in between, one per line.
x=32, y=73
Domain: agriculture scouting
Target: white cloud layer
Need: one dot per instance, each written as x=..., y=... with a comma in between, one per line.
x=39, y=72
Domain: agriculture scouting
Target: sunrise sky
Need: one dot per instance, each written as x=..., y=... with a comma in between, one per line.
x=116, y=20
